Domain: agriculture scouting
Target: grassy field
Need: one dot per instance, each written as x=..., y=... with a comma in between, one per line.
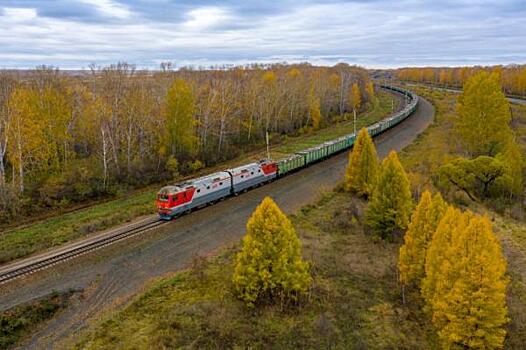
x=53, y=232
x=22, y=320
x=354, y=301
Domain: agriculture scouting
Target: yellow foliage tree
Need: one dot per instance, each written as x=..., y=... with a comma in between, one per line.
x=28, y=146
x=483, y=116
x=269, y=77
x=178, y=113
x=314, y=109
x=424, y=222
x=452, y=220
x=294, y=72
x=391, y=203
x=356, y=97
x=465, y=285
x=362, y=171
x=514, y=162
x=270, y=265
x=369, y=87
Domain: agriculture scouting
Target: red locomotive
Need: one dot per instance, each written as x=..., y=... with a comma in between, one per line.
x=181, y=198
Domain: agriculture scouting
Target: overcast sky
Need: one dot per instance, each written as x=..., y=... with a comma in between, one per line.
x=375, y=33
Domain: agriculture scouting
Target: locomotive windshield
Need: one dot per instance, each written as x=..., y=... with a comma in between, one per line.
x=165, y=192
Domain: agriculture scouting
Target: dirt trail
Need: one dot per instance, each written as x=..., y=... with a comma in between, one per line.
x=111, y=276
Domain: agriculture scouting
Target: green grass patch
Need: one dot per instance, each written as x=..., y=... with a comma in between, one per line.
x=354, y=301
x=57, y=231
x=20, y=242
x=20, y=321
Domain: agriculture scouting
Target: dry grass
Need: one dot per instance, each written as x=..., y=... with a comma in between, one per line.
x=354, y=301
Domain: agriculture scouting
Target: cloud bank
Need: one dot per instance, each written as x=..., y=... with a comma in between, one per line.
x=376, y=33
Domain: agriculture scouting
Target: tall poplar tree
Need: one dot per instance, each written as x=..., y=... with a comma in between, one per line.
x=362, y=170
x=270, y=266
x=391, y=203
x=369, y=87
x=483, y=116
x=356, y=97
x=178, y=113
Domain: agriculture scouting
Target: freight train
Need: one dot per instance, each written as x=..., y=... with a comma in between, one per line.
x=175, y=200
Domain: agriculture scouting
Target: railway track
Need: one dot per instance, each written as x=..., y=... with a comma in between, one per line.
x=30, y=266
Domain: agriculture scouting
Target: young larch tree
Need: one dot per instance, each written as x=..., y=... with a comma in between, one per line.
x=436, y=263
x=391, y=203
x=466, y=287
x=424, y=222
x=269, y=265
x=471, y=310
x=409, y=262
x=362, y=170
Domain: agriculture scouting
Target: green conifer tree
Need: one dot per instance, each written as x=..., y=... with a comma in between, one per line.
x=270, y=265
x=391, y=203
x=362, y=171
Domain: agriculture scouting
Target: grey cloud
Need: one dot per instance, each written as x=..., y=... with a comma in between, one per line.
x=372, y=33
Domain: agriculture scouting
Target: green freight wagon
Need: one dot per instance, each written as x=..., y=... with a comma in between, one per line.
x=291, y=163
x=314, y=154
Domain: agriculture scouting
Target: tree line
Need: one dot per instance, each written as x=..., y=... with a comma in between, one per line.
x=511, y=77
x=67, y=138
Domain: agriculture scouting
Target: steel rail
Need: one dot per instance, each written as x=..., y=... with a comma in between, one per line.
x=75, y=251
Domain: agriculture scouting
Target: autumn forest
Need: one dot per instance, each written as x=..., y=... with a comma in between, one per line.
x=69, y=138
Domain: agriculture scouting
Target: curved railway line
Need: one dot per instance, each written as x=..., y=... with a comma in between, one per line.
x=70, y=251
